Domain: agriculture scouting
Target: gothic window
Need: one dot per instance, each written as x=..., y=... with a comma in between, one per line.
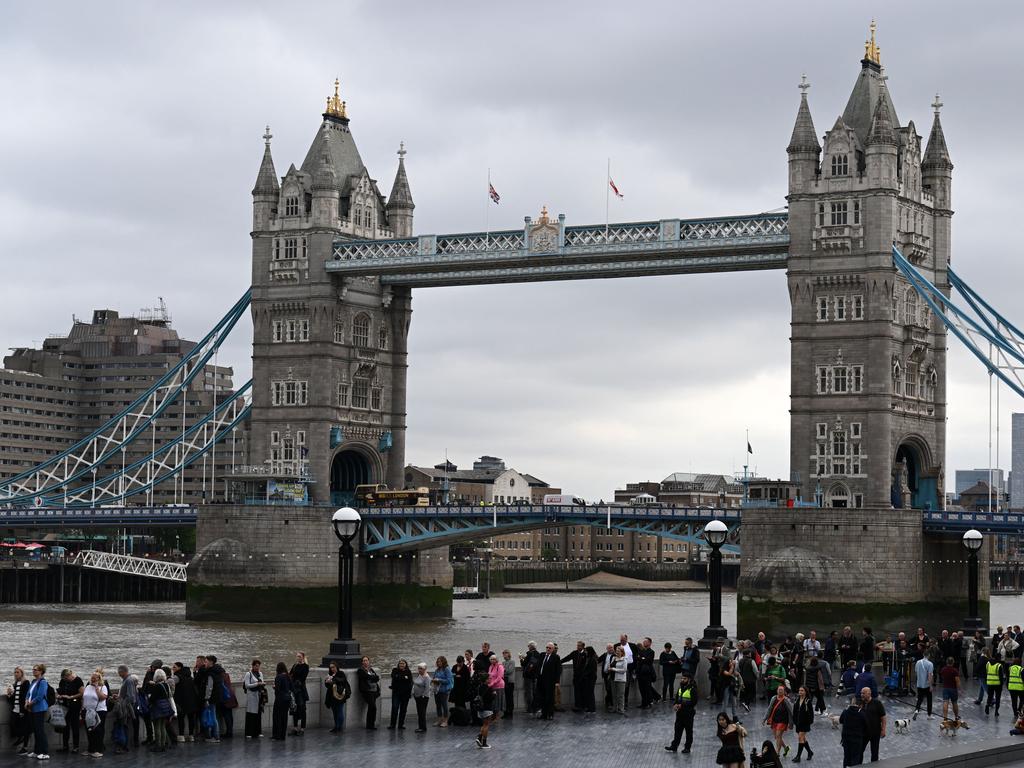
x=839, y=213
x=933, y=383
x=288, y=452
x=839, y=380
x=343, y=394
x=361, y=331
x=821, y=214
x=289, y=392
x=858, y=500
x=856, y=211
x=822, y=379
x=304, y=330
x=822, y=308
x=840, y=307
x=821, y=428
x=840, y=165
x=910, y=385
x=382, y=337
x=304, y=248
x=910, y=312
x=277, y=249
x=895, y=307
x=290, y=247
x=275, y=437
x=858, y=308
x=375, y=398
x=924, y=315
x=339, y=332
x=300, y=437
x=855, y=430
x=856, y=378
x=897, y=379
x=276, y=392
x=361, y=394
x=291, y=206
x=277, y=334
x=855, y=458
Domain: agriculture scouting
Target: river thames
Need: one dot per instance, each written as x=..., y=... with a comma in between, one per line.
x=86, y=636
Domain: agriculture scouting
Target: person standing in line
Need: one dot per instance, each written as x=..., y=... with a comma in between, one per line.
x=36, y=705
x=646, y=675
x=578, y=659
x=530, y=664
x=1015, y=684
x=690, y=660
x=401, y=691
x=298, y=673
x=369, y=689
x=748, y=675
x=684, y=702
x=994, y=675
x=866, y=649
x=549, y=674
x=490, y=695
x=728, y=685
x=874, y=716
x=442, y=684
x=147, y=721
x=186, y=701
x=282, y=702
x=950, y=677
x=255, y=689
x=731, y=734
x=228, y=705
x=670, y=667
x=780, y=719
x=814, y=682
x=338, y=692
x=630, y=650
x=158, y=693
x=421, y=683
x=604, y=662
x=590, y=682
x=980, y=673
x=803, y=717
x=92, y=695
x=847, y=647
x=620, y=672
x=125, y=711
x=924, y=672
x=461, y=679
x=69, y=695
x=510, y=682
x=854, y=733
x=21, y=723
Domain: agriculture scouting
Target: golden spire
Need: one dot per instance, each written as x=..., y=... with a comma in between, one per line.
x=544, y=215
x=872, y=52
x=335, y=106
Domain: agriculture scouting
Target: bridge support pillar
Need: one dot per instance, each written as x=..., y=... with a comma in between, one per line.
x=825, y=569
x=280, y=564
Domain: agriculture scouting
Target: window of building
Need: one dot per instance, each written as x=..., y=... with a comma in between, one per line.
x=855, y=458
x=621, y=546
x=839, y=380
x=291, y=206
x=910, y=387
x=840, y=165
x=839, y=213
x=858, y=500
x=382, y=338
x=856, y=211
x=275, y=437
x=911, y=306
x=343, y=394
x=339, y=332
x=300, y=437
x=361, y=331
x=840, y=307
x=361, y=394
x=291, y=247
x=858, y=307
x=822, y=379
x=897, y=379
x=856, y=378
x=855, y=430
x=821, y=430
x=895, y=307
x=822, y=308
x=821, y=214
x=277, y=331
x=289, y=392
x=375, y=397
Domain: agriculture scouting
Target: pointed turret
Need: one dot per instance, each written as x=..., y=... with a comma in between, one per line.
x=869, y=88
x=937, y=168
x=325, y=190
x=324, y=176
x=804, y=149
x=882, y=150
x=400, y=205
x=267, y=189
x=882, y=130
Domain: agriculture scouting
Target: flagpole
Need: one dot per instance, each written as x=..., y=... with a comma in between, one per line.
x=746, y=459
x=607, y=188
x=487, y=212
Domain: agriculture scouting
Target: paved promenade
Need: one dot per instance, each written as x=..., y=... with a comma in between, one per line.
x=571, y=740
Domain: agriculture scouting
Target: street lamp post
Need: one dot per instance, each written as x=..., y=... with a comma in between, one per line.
x=715, y=534
x=972, y=542
x=345, y=650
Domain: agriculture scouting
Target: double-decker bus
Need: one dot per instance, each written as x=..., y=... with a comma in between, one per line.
x=381, y=496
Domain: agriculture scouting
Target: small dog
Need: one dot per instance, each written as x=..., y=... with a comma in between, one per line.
x=901, y=725
x=950, y=727
x=834, y=719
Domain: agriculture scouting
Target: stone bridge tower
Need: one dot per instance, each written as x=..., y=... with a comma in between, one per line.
x=868, y=368
x=329, y=354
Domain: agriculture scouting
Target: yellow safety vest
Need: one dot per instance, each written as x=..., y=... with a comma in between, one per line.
x=686, y=694
x=1016, y=683
x=992, y=673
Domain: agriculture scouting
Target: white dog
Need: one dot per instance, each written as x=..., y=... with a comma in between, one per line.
x=834, y=719
x=901, y=725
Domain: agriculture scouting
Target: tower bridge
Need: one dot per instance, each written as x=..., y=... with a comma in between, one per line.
x=866, y=248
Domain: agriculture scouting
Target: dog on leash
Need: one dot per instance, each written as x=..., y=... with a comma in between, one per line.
x=950, y=727
x=901, y=725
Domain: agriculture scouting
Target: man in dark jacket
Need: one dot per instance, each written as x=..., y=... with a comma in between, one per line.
x=684, y=702
x=214, y=696
x=847, y=647
x=690, y=660
x=853, y=735
x=549, y=674
x=874, y=716
x=146, y=679
x=604, y=662
x=578, y=659
x=530, y=663
x=646, y=674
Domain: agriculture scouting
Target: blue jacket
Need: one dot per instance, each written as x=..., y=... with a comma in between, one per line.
x=445, y=680
x=867, y=680
x=37, y=695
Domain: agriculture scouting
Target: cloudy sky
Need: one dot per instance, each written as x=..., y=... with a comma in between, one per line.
x=130, y=141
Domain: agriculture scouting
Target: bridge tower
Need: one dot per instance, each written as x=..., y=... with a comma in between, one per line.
x=329, y=354
x=868, y=368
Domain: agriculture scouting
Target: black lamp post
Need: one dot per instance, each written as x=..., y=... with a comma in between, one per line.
x=715, y=534
x=345, y=650
x=972, y=542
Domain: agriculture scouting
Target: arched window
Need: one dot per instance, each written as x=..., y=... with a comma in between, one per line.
x=361, y=331
x=897, y=378
x=840, y=165
x=382, y=338
x=838, y=496
x=910, y=313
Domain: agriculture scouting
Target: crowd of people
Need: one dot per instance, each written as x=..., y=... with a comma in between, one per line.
x=789, y=680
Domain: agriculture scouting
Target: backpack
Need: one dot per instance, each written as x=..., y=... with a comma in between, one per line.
x=51, y=695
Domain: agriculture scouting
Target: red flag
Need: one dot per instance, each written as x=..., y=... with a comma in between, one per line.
x=493, y=193
x=614, y=188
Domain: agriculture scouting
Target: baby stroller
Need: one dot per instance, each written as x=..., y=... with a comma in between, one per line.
x=892, y=682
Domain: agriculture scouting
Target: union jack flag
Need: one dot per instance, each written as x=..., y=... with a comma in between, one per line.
x=614, y=188
x=493, y=193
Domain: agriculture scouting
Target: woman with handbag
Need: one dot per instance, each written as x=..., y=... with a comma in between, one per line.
x=283, y=702
x=338, y=692
x=441, y=682
x=255, y=689
x=69, y=695
x=299, y=672
x=186, y=701
x=92, y=696
x=158, y=693
x=369, y=689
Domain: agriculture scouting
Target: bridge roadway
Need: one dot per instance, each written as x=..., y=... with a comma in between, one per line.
x=407, y=528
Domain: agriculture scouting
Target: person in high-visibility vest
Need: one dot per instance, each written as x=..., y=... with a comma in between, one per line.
x=1015, y=685
x=685, y=705
x=994, y=674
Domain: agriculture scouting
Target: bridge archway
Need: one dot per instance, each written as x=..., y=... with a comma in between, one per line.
x=838, y=497
x=914, y=484
x=350, y=467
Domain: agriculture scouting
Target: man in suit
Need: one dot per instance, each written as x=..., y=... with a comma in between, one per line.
x=550, y=674
x=604, y=662
x=646, y=674
x=578, y=659
x=631, y=650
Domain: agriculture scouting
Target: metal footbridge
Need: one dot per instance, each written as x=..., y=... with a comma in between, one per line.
x=128, y=565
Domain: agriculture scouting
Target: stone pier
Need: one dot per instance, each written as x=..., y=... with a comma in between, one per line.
x=261, y=563
x=819, y=569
